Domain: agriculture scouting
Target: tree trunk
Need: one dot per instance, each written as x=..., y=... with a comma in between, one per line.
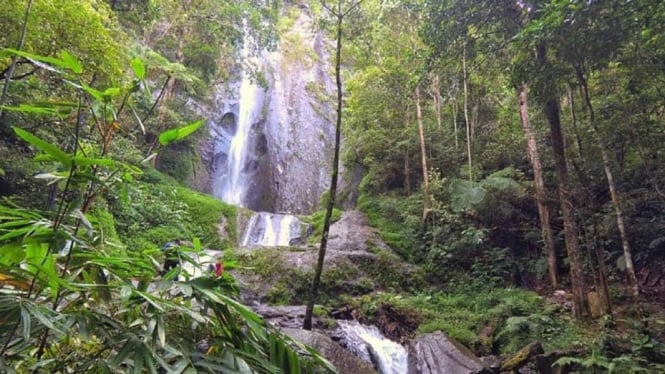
x=627, y=253
x=435, y=93
x=454, y=104
x=552, y=112
x=309, y=311
x=466, y=114
x=541, y=193
x=12, y=66
x=423, y=157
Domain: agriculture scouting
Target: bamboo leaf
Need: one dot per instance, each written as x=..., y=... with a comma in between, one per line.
x=50, y=109
x=40, y=61
x=161, y=331
x=47, y=147
x=11, y=253
x=25, y=324
x=122, y=354
x=138, y=360
x=43, y=319
x=71, y=62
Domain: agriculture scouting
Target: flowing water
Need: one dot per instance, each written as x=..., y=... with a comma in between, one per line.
x=250, y=102
x=271, y=230
x=367, y=342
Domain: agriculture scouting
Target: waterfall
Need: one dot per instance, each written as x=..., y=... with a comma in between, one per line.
x=369, y=344
x=269, y=236
x=271, y=230
x=285, y=232
x=250, y=103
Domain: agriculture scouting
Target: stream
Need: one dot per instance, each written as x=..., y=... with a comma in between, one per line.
x=367, y=342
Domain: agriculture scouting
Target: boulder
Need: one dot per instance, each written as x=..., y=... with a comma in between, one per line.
x=436, y=353
x=343, y=360
x=353, y=233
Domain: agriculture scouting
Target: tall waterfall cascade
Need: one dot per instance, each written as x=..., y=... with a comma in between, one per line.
x=271, y=144
x=234, y=184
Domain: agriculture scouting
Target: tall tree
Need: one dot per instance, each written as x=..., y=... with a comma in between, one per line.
x=541, y=192
x=551, y=108
x=423, y=156
x=339, y=13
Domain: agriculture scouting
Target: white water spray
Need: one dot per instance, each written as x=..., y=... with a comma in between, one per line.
x=370, y=345
x=250, y=103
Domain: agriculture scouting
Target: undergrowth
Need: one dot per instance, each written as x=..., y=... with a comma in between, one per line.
x=150, y=213
x=484, y=319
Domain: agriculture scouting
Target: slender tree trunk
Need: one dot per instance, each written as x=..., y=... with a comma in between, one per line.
x=437, y=100
x=541, y=192
x=12, y=67
x=602, y=269
x=466, y=114
x=309, y=311
x=552, y=112
x=454, y=104
x=407, y=164
x=423, y=157
x=580, y=167
x=573, y=116
x=627, y=253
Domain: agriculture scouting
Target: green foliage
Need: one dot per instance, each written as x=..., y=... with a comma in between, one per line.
x=87, y=29
x=465, y=312
x=316, y=220
x=152, y=214
x=73, y=299
x=393, y=217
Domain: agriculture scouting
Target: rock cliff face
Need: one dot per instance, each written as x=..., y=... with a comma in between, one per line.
x=287, y=122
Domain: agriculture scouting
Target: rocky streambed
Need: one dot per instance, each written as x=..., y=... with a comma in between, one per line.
x=275, y=284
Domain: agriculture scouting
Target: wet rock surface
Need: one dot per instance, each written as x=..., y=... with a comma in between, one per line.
x=344, y=361
x=288, y=129
x=437, y=353
x=349, y=267
x=352, y=233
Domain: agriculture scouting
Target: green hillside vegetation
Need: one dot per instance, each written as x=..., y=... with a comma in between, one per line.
x=508, y=151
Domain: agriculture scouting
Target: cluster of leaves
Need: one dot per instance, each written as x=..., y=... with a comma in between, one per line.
x=72, y=299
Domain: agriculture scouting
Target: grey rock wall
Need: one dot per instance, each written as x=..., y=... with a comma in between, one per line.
x=291, y=144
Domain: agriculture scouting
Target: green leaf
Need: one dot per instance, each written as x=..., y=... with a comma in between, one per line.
x=60, y=109
x=35, y=311
x=71, y=62
x=161, y=331
x=47, y=147
x=25, y=324
x=111, y=91
x=11, y=253
x=123, y=353
x=41, y=61
x=66, y=60
x=139, y=356
x=86, y=161
x=174, y=135
x=138, y=67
